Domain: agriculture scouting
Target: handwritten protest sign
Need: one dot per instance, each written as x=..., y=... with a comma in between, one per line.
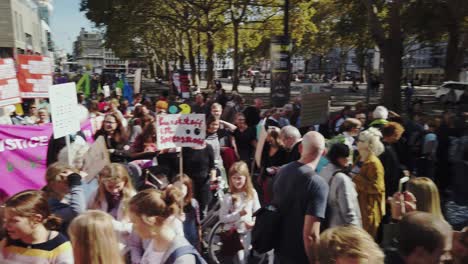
x=34, y=75
x=64, y=108
x=106, y=91
x=96, y=158
x=180, y=130
x=9, y=87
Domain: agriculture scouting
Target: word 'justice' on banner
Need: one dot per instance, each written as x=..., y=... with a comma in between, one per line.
x=179, y=130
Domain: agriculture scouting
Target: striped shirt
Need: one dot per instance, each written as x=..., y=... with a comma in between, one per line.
x=55, y=251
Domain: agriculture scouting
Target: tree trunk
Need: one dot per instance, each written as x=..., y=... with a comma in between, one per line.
x=181, y=52
x=393, y=51
x=453, y=57
x=235, y=73
x=343, y=57
x=209, y=60
x=151, y=65
x=191, y=56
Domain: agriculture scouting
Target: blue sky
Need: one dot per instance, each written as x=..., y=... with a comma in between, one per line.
x=66, y=22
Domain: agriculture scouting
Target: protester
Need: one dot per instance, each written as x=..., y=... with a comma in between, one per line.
x=32, y=117
x=43, y=115
x=199, y=165
x=115, y=136
x=427, y=195
x=426, y=164
x=274, y=155
x=245, y=138
x=150, y=213
x=347, y=245
x=390, y=159
x=291, y=138
x=349, y=130
x=238, y=207
x=212, y=127
x=94, y=239
x=423, y=238
x=253, y=113
x=301, y=196
x=369, y=180
x=339, y=120
x=379, y=116
x=113, y=195
x=460, y=247
x=64, y=192
x=31, y=235
x=191, y=211
x=343, y=205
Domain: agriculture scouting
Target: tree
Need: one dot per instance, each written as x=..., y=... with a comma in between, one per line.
x=443, y=20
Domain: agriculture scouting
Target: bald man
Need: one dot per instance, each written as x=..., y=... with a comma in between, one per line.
x=301, y=196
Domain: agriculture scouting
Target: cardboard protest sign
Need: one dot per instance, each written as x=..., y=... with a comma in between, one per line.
x=34, y=75
x=180, y=130
x=315, y=108
x=64, y=108
x=23, y=155
x=96, y=158
x=9, y=87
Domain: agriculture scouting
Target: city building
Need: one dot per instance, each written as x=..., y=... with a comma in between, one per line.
x=89, y=52
x=45, y=9
x=21, y=27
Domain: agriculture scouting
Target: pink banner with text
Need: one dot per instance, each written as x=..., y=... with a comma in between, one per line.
x=23, y=155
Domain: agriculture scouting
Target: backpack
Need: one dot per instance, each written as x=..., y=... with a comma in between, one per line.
x=185, y=250
x=265, y=230
x=326, y=221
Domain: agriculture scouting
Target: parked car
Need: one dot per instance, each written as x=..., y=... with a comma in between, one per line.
x=450, y=92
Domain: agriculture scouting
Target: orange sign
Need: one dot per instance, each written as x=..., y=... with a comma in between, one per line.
x=34, y=75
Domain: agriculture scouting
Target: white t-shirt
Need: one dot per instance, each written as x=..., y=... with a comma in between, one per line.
x=151, y=256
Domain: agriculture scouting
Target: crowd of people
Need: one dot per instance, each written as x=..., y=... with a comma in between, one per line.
x=336, y=186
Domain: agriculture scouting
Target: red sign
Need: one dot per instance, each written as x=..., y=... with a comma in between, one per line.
x=9, y=88
x=34, y=75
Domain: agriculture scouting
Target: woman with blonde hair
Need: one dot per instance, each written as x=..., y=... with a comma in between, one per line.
x=427, y=195
x=348, y=244
x=369, y=180
x=93, y=239
x=113, y=195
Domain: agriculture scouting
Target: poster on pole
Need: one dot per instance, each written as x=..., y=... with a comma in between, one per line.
x=180, y=130
x=315, y=108
x=9, y=87
x=64, y=107
x=34, y=75
x=137, y=81
x=280, y=70
x=96, y=158
x=106, y=91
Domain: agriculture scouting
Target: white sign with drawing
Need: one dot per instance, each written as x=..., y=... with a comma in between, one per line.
x=64, y=107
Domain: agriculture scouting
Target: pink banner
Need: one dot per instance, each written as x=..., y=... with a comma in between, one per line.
x=23, y=155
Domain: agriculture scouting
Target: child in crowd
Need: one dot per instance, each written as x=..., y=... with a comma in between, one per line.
x=191, y=210
x=30, y=232
x=94, y=239
x=113, y=195
x=151, y=213
x=64, y=193
x=238, y=207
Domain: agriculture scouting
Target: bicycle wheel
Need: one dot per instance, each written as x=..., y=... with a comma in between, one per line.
x=214, y=244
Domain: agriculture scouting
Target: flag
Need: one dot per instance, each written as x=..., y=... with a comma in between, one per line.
x=85, y=80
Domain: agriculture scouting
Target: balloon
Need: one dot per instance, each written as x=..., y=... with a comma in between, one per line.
x=185, y=109
x=173, y=109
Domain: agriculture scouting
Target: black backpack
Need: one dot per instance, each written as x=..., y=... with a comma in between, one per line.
x=266, y=228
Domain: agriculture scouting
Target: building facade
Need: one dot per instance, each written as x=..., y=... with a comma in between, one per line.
x=21, y=28
x=89, y=52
